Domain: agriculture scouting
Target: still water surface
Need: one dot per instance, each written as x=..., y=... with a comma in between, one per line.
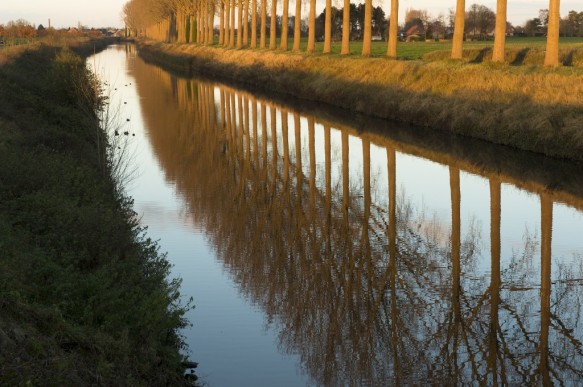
x=322, y=249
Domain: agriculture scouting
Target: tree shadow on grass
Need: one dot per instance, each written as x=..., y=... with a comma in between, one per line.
x=568, y=59
x=481, y=55
x=520, y=55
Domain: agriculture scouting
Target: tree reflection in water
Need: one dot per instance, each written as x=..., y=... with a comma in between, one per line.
x=366, y=290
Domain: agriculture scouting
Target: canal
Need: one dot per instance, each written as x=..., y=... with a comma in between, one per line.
x=323, y=248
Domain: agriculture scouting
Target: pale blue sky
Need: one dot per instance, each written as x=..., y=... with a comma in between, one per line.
x=103, y=13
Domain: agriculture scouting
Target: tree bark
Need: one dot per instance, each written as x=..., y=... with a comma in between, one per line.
x=312, y=27
x=284, y=25
x=393, y=29
x=346, y=29
x=263, y=23
x=253, y=23
x=240, y=25
x=222, y=24
x=458, y=33
x=272, y=26
x=245, y=23
x=227, y=22
x=232, y=32
x=366, y=39
x=298, y=25
x=328, y=28
x=500, y=34
x=552, y=53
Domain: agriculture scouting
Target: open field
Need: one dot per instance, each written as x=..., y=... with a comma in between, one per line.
x=419, y=50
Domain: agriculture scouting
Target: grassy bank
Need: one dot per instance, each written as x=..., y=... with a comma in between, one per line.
x=85, y=297
x=527, y=107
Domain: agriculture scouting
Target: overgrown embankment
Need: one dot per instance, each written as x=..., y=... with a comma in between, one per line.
x=527, y=107
x=85, y=297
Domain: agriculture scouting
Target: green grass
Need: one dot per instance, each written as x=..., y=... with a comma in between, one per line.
x=419, y=50
x=85, y=297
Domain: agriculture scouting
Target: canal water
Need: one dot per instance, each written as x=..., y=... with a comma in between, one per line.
x=322, y=248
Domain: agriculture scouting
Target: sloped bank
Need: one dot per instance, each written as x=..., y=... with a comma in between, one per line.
x=85, y=296
x=530, y=108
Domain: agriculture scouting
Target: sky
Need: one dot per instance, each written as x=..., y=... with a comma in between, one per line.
x=107, y=13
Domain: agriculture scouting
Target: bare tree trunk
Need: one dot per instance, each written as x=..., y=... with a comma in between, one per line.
x=199, y=34
x=366, y=39
x=328, y=28
x=245, y=23
x=312, y=27
x=232, y=32
x=222, y=24
x=240, y=25
x=500, y=34
x=211, y=23
x=346, y=29
x=393, y=29
x=204, y=22
x=458, y=32
x=284, y=25
x=253, y=23
x=298, y=25
x=552, y=53
x=272, y=26
x=263, y=23
x=227, y=22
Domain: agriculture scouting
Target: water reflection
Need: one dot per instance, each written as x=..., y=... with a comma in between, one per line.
x=365, y=283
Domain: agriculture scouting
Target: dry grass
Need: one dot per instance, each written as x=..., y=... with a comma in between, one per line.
x=528, y=107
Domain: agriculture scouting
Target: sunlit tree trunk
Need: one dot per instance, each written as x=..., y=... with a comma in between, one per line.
x=328, y=28
x=272, y=26
x=312, y=27
x=204, y=23
x=199, y=23
x=284, y=25
x=263, y=23
x=245, y=23
x=298, y=25
x=552, y=53
x=500, y=34
x=211, y=22
x=458, y=32
x=393, y=29
x=240, y=25
x=227, y=22
x=222, y=24
x=232, y=32
x=346, y=29
x=366, y=39
x=193, y=27
x=253, y=23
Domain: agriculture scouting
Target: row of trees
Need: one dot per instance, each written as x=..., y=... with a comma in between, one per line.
x=571, y=25
x=20, y=29
x=193, y=21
